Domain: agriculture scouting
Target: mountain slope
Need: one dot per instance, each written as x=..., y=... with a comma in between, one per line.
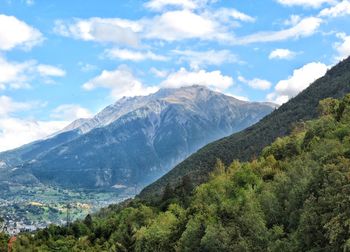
x=294, y=197
x=136, y=140
x=248, y=143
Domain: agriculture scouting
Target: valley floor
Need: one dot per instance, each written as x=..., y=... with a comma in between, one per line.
x=30, y=208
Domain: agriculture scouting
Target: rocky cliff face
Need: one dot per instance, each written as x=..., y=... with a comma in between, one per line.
x=134, y=141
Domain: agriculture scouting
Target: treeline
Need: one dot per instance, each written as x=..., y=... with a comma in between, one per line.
x=294, y=197
x=4, y=238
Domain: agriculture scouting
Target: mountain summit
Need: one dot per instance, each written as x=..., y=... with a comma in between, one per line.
x=249, y=143
x=133, y=141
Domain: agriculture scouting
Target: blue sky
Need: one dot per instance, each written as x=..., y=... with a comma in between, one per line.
x=61, y=60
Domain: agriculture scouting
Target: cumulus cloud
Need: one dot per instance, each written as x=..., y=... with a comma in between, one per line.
x=256, y=83
x=159, y=73
x=198, y=59
x=304, y=28
x=282, y=54
x=16, y=33
x=86, y=67
x=170, y=25
x=306, y=3
x=292, y=20
x=239, y=97
x=70, y=112
x=214, y=79
x=126, y=54
x=223, y=14
x=8, y=106
x=343, y=47
x=48, y=70
x=105, y=30
x=187, y=24
x=16, y=132
x=228, y=14
x=15, y=75
x=121, y=82
x=181, y=24
x=159, y=5
x=19, y=75
x=340, y=9
x=297, y=82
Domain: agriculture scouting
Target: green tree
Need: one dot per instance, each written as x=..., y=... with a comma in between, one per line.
x=88, y=221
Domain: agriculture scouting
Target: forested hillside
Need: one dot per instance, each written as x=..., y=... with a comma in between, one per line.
x=293, y=197
x=249, y=143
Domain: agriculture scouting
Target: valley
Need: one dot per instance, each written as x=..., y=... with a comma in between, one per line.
x=112, y=156
x=26, y=208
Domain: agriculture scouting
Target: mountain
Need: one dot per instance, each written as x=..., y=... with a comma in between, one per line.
x=248, y=143
x=134, y=141
x=293, y=197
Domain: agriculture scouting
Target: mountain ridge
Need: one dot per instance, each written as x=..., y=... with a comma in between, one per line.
x=135, y=140
x=248, y=143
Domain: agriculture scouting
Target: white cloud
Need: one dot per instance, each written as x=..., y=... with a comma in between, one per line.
x=224, y=15
x=282, y=54
x=112, y=30
x=126, y=54
x=48, y=70
x=187, y=24
x=70, y=112
x=306, y=3
x=242, y=98
x=238, y=15
x=214, y=79
x=343, y=47
x=121, y=82
x=292, y=20
x=8, y=106
x=227, y=14
x=297, y=82
x=16, y=132
x=278, y=99
x=178, y=25
x=159, y=73
x=199, y=59
x=15, y=75
x=19, y=75
x=340, y=9
x=16, y=33
x=171, y=25
x=86, y=67
x=159, y=5
x=304, y=28
x=256, y=83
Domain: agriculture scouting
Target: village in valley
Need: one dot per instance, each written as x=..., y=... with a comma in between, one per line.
x=38, y=207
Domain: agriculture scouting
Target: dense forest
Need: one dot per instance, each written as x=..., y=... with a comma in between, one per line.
x=293, y=197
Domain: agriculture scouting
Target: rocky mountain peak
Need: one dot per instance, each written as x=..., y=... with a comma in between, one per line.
x=136, y=139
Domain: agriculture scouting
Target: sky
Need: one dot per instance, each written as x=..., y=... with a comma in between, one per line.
x=66, y=59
